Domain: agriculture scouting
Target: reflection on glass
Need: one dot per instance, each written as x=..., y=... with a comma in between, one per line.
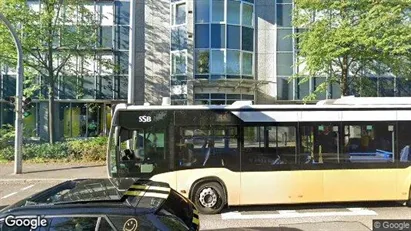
x=178, y=38
x=178, y=63
x=202, y=11
x=218, y=10
x=202, y=61
x=233, y=12
x=284, y=15
x=247, y=63
x=217, y=62
x=180, y=15
x=284, y=40
x=233, y=62
x=248, y=39
x=247, y=15
x=233, y=37
x=202, y=36
x=284, y=64
x=217, y=36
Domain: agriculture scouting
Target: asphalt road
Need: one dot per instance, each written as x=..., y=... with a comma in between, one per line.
x=313, y=217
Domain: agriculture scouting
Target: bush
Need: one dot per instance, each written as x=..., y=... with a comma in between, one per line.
x=89, y=150
x=93, y=149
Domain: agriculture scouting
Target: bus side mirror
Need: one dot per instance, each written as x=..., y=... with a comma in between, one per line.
x=117, y=135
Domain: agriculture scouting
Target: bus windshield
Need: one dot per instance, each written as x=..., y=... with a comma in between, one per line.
x=138, y=153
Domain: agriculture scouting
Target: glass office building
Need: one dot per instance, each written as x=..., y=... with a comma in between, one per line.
x=194, y=51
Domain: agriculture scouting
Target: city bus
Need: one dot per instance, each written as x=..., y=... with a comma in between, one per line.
x=344, y=150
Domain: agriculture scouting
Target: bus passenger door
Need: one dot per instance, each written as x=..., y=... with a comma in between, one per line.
x=269, y=172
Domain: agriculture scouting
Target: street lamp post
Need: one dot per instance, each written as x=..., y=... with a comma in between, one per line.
x=19, y=95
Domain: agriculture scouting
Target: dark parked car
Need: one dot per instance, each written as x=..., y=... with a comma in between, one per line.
x=102, y=204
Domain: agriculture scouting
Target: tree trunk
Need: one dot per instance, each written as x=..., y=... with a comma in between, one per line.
x=51, y=113
x=50, y=9
x=344, y=77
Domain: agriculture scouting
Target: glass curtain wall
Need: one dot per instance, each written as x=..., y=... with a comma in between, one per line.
x=224, y=39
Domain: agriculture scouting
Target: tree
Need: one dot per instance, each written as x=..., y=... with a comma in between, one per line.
x=349, y=39
x=53, y=34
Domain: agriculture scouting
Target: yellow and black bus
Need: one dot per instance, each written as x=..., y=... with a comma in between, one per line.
x=344, y=150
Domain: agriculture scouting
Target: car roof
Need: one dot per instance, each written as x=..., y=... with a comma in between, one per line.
x=95, y=196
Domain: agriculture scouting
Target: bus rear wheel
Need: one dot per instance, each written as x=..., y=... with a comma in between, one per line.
x=209, y=198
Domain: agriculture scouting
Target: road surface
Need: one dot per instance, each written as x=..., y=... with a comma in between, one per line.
x=313, y=217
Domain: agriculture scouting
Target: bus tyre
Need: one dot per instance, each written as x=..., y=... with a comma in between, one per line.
x=209, y=198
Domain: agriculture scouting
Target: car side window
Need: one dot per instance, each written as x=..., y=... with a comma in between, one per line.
x=132, y=223
x=104, y=225
x=73, y=223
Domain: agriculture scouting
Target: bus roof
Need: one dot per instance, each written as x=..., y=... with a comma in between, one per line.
x=344, y=102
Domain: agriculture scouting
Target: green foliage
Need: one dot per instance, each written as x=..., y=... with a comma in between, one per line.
x=54, y=38
x=6, y=135
x=349, y=39
x=90, y=150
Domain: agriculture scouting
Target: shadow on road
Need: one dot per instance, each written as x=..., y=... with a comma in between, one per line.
x=258, y=229
x=313, y=206
x=68, y=168
x=2, y=206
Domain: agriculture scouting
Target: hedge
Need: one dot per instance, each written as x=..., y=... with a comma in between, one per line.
x=92, y=149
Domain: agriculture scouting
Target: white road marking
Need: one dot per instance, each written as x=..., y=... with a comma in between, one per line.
x=9, y=195
x=25, y=188
x=14, y=193
x=295, y=214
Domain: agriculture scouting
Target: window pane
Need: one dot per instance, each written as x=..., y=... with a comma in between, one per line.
x=284, y=15
x=233, y=12
x=284, y=64
x=202, y=36
x=217, y=62
x=178, y=63
x=247, y=15
x=386, y=87
x=303, y=89
x=233, y=62
x=217, y=36
x=247, y=64
x=284, y=89
x=201, y=96
x=374, y=139
x=122, y=37
x=106, y=34
x=180, y=14
x=122, y=13
x=233, y=37
x=218, y=10
x=284, y=40
x=178, y=38
x=234, y=96
x=247, y=97
x=202, y=62
x=248, y=39
x=123, y=62
x=202, y=11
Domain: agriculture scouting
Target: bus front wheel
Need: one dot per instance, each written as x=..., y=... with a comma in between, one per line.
x=209, y=198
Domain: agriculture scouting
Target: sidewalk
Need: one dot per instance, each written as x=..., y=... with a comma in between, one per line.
x=53, y=171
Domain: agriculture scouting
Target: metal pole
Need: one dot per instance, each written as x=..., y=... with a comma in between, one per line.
x=132, y=54
x=19, y=95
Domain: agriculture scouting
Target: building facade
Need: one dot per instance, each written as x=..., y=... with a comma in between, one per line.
x=194, y=51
